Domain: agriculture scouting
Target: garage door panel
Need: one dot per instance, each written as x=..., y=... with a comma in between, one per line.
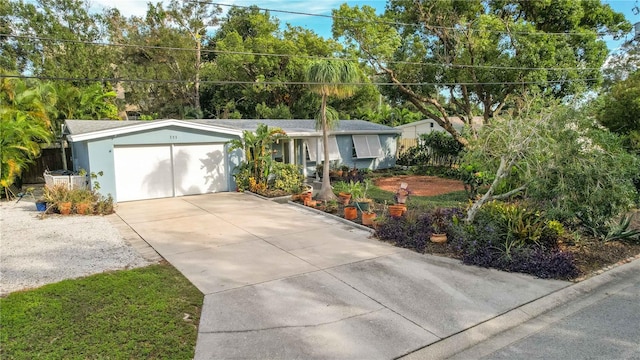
x=199, y=169
x=143, y=172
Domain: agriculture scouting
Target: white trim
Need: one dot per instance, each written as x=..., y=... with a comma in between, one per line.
x=367, y=146
x=150, y=126
x=313, y=134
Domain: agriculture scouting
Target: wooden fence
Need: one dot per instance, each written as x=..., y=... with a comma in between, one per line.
x=50, y=159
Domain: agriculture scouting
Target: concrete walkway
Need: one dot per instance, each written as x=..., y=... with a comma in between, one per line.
x=281, y=282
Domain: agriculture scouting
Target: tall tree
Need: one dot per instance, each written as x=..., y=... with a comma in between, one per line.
x=251, y=47
x=195, y=18
x=482, y=54
x=330, y=78
x=52, y=38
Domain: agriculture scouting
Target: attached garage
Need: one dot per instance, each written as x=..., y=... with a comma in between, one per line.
x=149, y=172
x=149, y=160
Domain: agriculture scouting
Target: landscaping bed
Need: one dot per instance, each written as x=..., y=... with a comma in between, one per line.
x=555, y=252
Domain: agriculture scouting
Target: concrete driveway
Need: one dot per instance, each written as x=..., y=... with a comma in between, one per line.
x=281, y=282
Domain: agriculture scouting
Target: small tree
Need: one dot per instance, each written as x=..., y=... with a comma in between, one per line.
x=560, y=158
x=330, y=78
x=507, y=146
x=257, y=150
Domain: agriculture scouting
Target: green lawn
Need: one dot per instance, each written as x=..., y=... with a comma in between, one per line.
x=129, y=314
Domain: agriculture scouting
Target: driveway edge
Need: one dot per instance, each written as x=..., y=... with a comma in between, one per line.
x=457, y=343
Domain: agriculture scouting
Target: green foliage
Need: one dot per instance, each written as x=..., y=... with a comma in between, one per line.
x=621, y=231
x=474, y=179
x=355, y=188
x=437, y=149
x=521, y=224
x=585, y=174
x=257, y=151
x=24, y=125
x=286, y=177
x=130, y=314
x=620, y=111
x=491, y=44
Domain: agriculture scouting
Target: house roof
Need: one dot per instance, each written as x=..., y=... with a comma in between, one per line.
x=79, y=130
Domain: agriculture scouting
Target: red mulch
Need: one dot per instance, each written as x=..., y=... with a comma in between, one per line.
x=421, y=185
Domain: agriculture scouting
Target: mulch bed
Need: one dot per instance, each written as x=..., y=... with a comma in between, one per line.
x=420, y=185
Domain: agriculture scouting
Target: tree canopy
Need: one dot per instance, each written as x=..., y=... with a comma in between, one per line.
x=484, y=55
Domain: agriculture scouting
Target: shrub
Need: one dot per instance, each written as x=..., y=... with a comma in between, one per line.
x=412, y=231
x=286, y=177
x=508, y=237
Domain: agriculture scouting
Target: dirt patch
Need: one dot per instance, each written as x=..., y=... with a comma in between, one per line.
x=421, y=185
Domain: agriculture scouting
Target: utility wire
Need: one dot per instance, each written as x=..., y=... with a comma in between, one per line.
x=310, y=57
x=239, y=82
x=572, y=33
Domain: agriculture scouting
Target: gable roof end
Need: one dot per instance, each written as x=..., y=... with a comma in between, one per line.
x=82, y=130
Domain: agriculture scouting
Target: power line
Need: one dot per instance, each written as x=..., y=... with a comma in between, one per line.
x=572, y=33
x=310, y=57
x=239, y=82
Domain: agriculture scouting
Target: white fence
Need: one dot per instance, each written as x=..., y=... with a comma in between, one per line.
x=70, y=181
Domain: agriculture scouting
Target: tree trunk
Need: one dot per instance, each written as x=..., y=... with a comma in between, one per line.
x=471, y=213
x=197, y=79
x=326, y=193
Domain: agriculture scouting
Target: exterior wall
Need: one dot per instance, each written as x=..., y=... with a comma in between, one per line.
x=170, y=135
x=97, y=155
x=80, y=156
x=345, y=145
x=100, y=153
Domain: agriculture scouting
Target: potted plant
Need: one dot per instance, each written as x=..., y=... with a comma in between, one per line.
x=335, y=170
x=347, y=191
x=368, y=216
x=59, y=197
x=83, y=200
x=41, y=204
x=439, y=224
x=402, y=194
x=350, y=212
x=362, y=202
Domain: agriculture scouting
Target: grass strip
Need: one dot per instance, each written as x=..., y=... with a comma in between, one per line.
x=151, y=312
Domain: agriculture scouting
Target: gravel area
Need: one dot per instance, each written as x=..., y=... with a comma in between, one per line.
x=35, y=251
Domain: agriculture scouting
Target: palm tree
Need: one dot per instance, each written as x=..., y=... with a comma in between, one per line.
x=24, y=125
x=330, y=78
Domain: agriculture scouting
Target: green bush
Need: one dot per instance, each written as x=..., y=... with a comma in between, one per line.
x=286, y=177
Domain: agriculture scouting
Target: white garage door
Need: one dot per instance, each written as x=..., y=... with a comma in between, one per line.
x=149, y=172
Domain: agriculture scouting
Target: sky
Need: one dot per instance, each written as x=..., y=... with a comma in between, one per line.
x=322, y=25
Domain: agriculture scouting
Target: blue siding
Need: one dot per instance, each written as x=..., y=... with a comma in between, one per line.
x=171, y=135
x=345, y=145
x=97, y=155
x=101, y=159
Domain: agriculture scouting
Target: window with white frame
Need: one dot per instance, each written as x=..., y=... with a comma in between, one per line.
x=367, y=146
x=314, y=143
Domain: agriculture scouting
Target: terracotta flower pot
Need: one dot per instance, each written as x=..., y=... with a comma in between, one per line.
x=344, y=198
x=65, y=208
x=396, y=211
x=83, y=208
x=305, y=197
x=350, y=213
x=367, y=218
x=439, y=238
x=310, y=202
